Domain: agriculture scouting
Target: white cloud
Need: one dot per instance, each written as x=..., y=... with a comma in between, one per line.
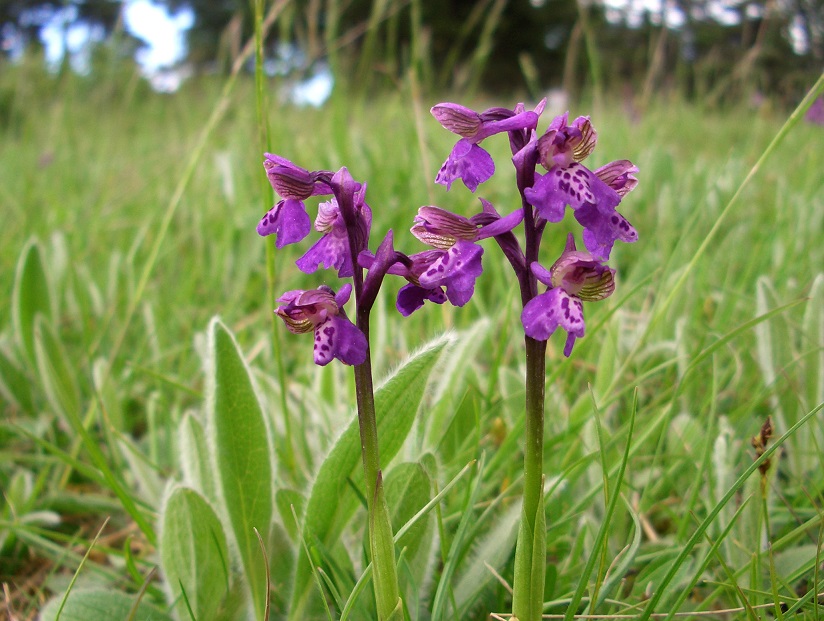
x=163, y=33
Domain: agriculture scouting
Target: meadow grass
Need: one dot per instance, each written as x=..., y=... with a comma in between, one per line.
x=649, y=424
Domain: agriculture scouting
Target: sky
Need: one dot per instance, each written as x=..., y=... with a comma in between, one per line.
x=163, y=33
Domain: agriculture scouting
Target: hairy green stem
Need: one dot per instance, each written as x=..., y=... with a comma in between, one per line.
x=367, y=421
x=534, y=446
x=528, y=586
x=530, y=563
x=385, y=578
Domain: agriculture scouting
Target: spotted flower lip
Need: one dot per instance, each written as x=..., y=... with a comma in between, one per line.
x=467, y=161
x=321, y=310
x=435, y=275
x=452, y=272
x=575, y=277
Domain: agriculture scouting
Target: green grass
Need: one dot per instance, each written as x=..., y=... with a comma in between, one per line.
x=93, y=425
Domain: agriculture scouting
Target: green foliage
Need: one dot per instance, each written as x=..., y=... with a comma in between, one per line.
x=194, y=554
x=86, y=604
x=243, y=459
x=31, y=296
x=329, y=506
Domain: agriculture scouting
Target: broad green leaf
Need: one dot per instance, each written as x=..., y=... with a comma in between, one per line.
x=607, y=361
x=408, y=489
x=774, y=352
x=242, y=455
x=458, y=547
x=14, y=385
x=282, y=557
x=619, y=569
x=106, y=389
x=382, y=547
x=100, y=604
x=450, y=381
x=530, y=566
x=331, y=502
x=31, y=296
x=144, y=475
x=285, y=499
x=56, y=372
x=193, y=554
x=194, y=456
x=467, y=344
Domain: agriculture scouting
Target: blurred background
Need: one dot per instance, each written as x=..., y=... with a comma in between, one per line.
x=714, y=50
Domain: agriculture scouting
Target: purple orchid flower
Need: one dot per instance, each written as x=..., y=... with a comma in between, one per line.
x=575, y=277
x=288, y=218
x=449, y=271
x=467, y=161
x=332, y=249
x=593, y=196
x=322, y=311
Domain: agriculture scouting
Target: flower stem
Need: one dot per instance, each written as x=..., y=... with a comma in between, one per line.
x=385, y=578
x=381, y=544
x=530, y=555
x=534, y=447
x=367, y=423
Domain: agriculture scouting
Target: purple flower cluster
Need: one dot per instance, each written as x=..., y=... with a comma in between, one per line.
x=448, y=270
x=593, y=197
x=343, y=221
